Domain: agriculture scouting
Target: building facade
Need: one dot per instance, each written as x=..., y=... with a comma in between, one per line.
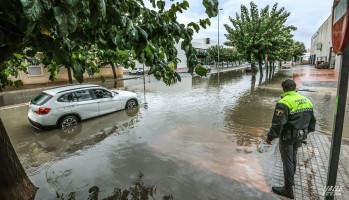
x=321, y=46
x=200, y=45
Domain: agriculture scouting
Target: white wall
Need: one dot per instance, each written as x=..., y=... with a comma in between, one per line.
x=197, y=43
x=323, y=38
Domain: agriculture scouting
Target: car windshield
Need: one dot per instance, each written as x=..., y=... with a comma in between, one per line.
x=41, y=99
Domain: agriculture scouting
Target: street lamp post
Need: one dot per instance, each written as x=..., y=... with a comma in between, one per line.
x=218, y=40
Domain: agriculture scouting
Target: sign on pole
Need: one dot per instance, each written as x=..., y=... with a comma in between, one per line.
x=340, y=40
x=340, y=32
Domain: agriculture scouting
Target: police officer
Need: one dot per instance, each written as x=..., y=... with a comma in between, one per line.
x=293, y=119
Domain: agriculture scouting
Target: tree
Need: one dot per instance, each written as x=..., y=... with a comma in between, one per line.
x=229, y=55
x=257, y=33
x=225, y=54
x=297, y=49
x=66, y=32
x=213, y=53
x=60, y=29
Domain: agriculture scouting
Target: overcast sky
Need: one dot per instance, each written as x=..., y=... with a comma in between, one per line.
x=306, y=15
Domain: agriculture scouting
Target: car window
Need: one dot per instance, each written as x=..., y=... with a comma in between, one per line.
x=70, y=97
x=83, y=95
x=100, y=93
x=41, y=99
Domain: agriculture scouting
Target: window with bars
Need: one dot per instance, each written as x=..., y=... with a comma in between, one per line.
x=35, y=70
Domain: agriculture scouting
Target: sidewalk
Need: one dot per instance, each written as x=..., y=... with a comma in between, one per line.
x=12, y=96
x=309, y=76
x=313, y=158
x=50, y=84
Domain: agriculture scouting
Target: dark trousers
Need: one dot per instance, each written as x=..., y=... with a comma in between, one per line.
x=288, y=150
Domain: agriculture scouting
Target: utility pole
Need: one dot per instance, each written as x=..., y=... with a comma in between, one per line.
x=218, y=39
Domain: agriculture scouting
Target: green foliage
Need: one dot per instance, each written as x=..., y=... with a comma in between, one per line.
x=83, y=35
x=213, y=52
x=18, y=62
x=225, y=54
x=257, y=33
x=298, y=49
x=211, y=7
x=228, y=55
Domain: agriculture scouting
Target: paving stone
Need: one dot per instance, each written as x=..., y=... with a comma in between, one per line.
x=311, y=173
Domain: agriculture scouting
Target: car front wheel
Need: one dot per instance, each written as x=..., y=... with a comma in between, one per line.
x=68, y=121
x=131, y=104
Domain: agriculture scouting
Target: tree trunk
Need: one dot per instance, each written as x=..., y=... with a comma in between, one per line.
x=267, y=71
x=260, y=80
x=271, y=65
x=253, y=69
x=253, y=82
x=14, y=182
x=260, y=68
x=113, y=69
x=70, y=78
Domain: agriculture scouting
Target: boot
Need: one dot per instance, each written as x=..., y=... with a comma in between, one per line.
x=283, y=191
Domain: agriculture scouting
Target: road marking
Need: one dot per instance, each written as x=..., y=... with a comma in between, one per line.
x=13, y=106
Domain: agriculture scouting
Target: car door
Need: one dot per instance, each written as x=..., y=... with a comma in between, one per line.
x=86, y=106
x=108, y=101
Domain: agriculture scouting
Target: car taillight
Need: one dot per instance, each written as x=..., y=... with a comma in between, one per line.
x=43, y=111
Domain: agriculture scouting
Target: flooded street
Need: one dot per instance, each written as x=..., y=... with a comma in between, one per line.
x=202, y=138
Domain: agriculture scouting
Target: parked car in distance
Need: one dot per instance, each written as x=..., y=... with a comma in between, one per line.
x=136, y=71
x=248, y=69
x=68, y=105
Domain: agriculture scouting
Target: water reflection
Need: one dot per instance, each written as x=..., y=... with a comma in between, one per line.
x=249, y=119
x=137, y=191
x=224, y=77
x=37, y=147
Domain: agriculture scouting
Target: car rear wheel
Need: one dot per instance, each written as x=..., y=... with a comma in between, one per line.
x=131, y=104
x=68, y=121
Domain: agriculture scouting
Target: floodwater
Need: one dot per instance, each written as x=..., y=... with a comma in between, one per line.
x=202, y=138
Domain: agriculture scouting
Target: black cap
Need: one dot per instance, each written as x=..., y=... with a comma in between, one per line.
x=288, y=85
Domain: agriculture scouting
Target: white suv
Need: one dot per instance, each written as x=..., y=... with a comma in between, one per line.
x=136, y=71
x=66, y=106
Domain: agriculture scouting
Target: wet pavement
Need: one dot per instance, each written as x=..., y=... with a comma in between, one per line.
x=202, y=138
x=312, y=168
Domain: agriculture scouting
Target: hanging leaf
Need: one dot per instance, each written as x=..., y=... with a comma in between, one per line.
x=18, y=56
x=211, y=7
x=32, y=9
x=195, y=26
x=62, y=21
x=161, y=5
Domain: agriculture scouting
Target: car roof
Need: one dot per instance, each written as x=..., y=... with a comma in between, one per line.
x=62, y=89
